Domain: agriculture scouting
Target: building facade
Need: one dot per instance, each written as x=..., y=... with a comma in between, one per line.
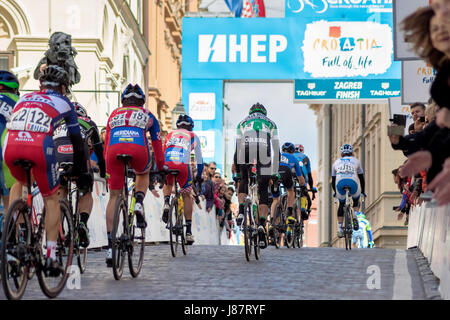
x=118, y=42
x=311, y=237
x=365, y=128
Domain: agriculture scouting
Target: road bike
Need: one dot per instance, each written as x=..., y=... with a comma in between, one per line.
x=251, y=215
x=71, y=192
x=126, y=237
x=278, y=224
x=349, y=217
x=23, y=252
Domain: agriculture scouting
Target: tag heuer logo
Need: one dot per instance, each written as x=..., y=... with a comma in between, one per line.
x=385, y=85
x=311, y=86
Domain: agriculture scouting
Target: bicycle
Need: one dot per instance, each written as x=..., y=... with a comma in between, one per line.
x=126, y=237
x=300, y=203
x=349, y=217
x=251, y=213
x=177, y=235
x=23, y=251
x=279, y=229
x=71, y=192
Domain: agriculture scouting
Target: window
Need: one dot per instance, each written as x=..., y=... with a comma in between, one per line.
x=6, y=60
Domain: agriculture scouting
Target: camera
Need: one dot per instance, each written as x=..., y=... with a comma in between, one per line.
x=400, y=119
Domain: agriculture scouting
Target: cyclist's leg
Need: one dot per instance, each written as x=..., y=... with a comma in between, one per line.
x=275, y=197
x=243, y=190
x=185, y=180
x=263, y=187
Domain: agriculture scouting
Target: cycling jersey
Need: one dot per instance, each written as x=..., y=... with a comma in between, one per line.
x=257, y=135
x=34, y=119
x=126, y=133
x=7, y=102
x=290, y=161
x=365, y=231
x=177, y=150
x=289, y=169
x=346, y=171
x=306, y=168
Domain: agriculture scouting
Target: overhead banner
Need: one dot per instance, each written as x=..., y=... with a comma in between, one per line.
x=417, y=77
x=403, y=8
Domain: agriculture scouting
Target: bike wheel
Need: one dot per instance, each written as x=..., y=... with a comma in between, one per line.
x=136, y=249
x=119, y=237
x=289, y=238
x=173, y=232
x=82, y=259
x=181, y=223
x=247, y=229
x=348, y=230
x=52, y=286
x=16, y=240
x=299, y=235
x=80, y=252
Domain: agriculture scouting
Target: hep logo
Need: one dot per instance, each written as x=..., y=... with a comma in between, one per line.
x=297, y=6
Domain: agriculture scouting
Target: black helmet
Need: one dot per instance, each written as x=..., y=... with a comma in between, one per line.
x=186, y=121
x=288, y=147
x=81, y=111
x=9, y=80
x=257, y=107
x=133, y=91
x=54, y=76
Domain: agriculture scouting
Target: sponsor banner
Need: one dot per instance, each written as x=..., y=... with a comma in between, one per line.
x=397, y=107
x=288, y=48
x=346, y=90
x=403, y=8
x=417, y=77
x=322, y=9
x=207, y=139
x=202, y=106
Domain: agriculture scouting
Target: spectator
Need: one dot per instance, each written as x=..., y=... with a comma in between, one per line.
x=418, y=115
x=208, y=187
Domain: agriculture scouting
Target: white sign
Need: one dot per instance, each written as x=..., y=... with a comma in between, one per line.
x=207, y=140
x=347, y=49
x=403, y=8
x=396, y=107
x=202, y=106
x=417, y=78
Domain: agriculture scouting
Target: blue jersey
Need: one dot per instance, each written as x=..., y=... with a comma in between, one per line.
x=290, y=161
x=301, y=159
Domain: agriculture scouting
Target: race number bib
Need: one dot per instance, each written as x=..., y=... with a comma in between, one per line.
x=60, y=132
x=118, y=120
x=6, y=110
x=30, y=119
x=138, y=119
x=346, y=169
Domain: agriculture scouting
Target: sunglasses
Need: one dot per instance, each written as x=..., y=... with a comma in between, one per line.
x=217, y=177
x=213, y=168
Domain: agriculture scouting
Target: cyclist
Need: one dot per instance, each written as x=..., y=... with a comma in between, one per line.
x=344, y=174
x=302, y=157
x=9, y=94
x=256, y=137
x=91, y=143
x=289, y=169
x=35, y=118
x=364, y=233
x=177, y=150
x=126, y=133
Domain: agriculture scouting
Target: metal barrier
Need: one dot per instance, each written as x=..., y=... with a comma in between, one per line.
x=429, y=231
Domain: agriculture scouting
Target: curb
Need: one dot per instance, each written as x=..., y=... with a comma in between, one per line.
x=430, y=282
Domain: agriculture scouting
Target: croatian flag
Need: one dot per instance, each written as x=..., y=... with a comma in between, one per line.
x=253, y=8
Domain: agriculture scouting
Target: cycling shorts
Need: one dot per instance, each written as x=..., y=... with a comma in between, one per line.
x=355, y=190
x=184, y=178
x=38, y=148
x=114, y=167
x=286, y=178
x=263, y=181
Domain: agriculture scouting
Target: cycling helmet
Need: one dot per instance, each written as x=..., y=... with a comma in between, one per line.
x=8, y=79
x=133, y=91
x=360, y=214
x=258, y=108
x=347, y=149
x=299, y=148
x=288, y=147
x=186, y=121
x=81, y=111
x=54, y=76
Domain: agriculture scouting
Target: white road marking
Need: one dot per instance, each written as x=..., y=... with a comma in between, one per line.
x=402, y=278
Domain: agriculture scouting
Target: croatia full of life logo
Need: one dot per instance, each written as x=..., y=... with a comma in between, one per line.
x=347, y=49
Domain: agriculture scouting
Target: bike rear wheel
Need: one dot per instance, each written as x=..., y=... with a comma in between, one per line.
x=182, y=234
x=136, y=249
x=119, y=237
x=15, y=245
x=173, y=233
x=247, y=232
x=80, y=252
x=348, y=229
x=52, y=286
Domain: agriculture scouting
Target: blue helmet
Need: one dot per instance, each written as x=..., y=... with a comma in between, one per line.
x=347, y=149
x=133, y=91
x=288, y=147
x=186, y=121
x=360, y=214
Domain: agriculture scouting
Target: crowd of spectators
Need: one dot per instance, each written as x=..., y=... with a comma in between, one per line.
x=427, y=146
